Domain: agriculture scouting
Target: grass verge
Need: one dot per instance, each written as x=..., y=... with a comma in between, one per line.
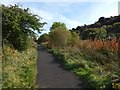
x=97, y=72
x=19, y=68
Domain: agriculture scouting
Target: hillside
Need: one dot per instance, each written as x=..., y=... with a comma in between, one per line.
x=108, y=26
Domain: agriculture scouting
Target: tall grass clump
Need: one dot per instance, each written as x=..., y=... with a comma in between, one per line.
x=18, y=68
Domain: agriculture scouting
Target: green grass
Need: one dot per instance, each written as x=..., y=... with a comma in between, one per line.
x=19, y=68
x=88, y=66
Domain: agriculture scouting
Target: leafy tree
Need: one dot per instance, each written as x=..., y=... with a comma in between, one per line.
x=113, y=30
x=43, y=38
x=18, y=25
x=57, y=25
x=101, y=19
x=74, y=39
x=94, y=33
x=101, y=33
x=85, y=34
x=59, y=37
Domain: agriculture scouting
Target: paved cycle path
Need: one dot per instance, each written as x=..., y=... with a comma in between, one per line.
x=52, y=75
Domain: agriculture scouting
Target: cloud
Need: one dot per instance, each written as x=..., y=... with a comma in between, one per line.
x=72, y=14
x=69, y=22
x=7, y=3
x=106, y=9
x=60, y=18
x=46, y=15
x=109, y=9
x=51, y=17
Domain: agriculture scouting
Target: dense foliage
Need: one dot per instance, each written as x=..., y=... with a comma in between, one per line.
x=18, y=26
x=59, y=36
x=43, y=38
x=103, y=28
x=19, y=48
x=95, y=59
x=89, y=51
x=58, y=25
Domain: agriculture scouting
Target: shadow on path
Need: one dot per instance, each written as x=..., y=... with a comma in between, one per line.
x=52, y=75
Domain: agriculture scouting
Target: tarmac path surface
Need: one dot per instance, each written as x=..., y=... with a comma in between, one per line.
x=52, y=75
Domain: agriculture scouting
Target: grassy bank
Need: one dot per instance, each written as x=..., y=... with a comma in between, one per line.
x=97, y=69
x=19, y=68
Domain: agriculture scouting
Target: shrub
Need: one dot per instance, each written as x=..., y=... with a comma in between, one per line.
x=58, y=39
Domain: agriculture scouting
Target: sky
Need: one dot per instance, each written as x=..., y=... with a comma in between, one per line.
x=73, y=14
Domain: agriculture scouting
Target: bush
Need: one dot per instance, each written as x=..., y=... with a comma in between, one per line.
x=58, y=39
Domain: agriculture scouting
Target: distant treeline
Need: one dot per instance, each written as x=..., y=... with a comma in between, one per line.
x=103, y=28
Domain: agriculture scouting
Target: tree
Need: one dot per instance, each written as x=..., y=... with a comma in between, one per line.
x=94, y=33
x=113, y=30
x=59, y=37
x=43, y=38
x=57, y=25
x=101, y=19
x=85, y=34
x=18, y=25
x=74, y=39
x=101, y=33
